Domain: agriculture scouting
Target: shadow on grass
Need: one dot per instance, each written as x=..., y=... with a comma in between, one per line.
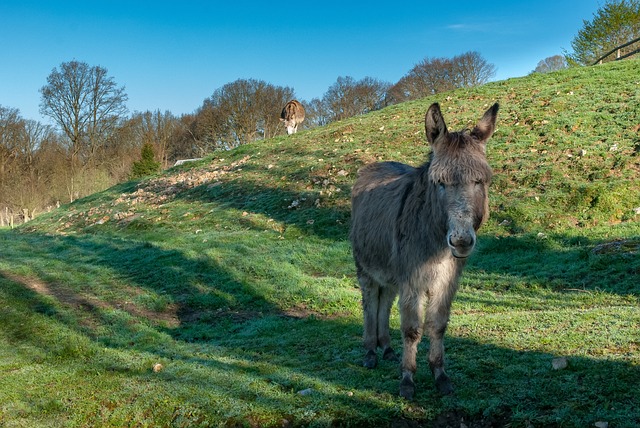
x=256, y=374
x=258, y=359
x=559, y=263
x=319, y=208
x=118, y=271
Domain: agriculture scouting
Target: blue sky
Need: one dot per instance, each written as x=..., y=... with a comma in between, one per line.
x=173, y=55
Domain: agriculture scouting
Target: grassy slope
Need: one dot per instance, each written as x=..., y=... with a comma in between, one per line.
x=235, y=274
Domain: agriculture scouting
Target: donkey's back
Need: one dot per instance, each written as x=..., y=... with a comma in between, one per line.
x=377, y=202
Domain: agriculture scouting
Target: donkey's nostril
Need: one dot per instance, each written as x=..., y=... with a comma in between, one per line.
x=461, y=241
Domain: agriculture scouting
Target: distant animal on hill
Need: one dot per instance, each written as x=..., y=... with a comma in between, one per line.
x=412, y=231
x=292, y=115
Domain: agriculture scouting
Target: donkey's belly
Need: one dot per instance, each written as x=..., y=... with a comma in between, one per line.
x=383, y=277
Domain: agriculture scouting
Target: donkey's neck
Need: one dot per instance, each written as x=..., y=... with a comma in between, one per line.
x=422, y=208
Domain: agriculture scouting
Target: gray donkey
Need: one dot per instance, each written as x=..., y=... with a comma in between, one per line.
x=412, y=230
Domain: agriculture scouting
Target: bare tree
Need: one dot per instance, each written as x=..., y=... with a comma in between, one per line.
x=430, y=76
x=50, y=165
x=316, y=113
x=434, y=75
x=157, y=129
x=552, y=63
x=35, y=133
x=29, y=191
x=24, y=185
x=471, y=69
x=269, y=101
x=87, y=105
x=11, y=128
x=184, y=141
x=339, y=99
x=121, y=149
x=348, y=97
x=240, y=112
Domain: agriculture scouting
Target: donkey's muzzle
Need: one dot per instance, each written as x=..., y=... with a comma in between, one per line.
x=461, y=244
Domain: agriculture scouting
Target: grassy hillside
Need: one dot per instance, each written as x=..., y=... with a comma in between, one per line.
x=223, y=293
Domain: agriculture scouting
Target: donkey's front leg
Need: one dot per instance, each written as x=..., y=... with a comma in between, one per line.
x=437, y=319
x=411, y=310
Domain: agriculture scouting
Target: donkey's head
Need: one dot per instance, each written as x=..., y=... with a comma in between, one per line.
x=291, y=125
x=461, y=174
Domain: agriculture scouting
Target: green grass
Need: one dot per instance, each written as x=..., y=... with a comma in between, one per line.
x=235, y=274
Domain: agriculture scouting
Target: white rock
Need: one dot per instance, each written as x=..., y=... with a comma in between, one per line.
x=559, y=363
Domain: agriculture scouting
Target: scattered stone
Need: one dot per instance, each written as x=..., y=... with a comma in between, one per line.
x=307, y=391
x=602, y=424
x=183, y=161
x=157, y=367
x=294, y=204
x=559, y=363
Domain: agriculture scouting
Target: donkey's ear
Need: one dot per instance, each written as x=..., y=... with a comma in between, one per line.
x=434, y=125
x=485, y=127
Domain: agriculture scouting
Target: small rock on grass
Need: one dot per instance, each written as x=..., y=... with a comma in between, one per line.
x=559, y=363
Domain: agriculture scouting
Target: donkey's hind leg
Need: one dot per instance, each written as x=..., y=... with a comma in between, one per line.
x=386, y=297
x=370, y=303
x=377, y=301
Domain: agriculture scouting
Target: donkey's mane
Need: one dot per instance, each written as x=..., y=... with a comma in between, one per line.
x=459, y=159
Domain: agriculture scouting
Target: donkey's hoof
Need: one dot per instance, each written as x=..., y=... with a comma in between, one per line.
x=390, y=355
x=444, y=385
x=370, y=360
x=407, y=389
